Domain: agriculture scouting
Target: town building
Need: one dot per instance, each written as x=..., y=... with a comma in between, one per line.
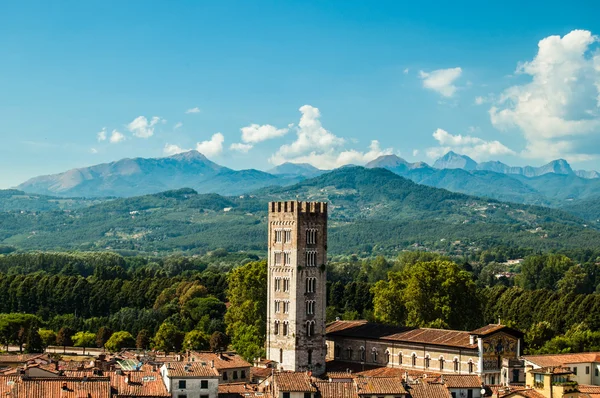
x=585, y=365
x=297, y=256
x=190, y=380
x=231, y=367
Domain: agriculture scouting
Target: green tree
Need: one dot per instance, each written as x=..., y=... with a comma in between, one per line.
x=119, y=341
x=168, y=338
x=84, y=339
x=247, y=295
x=219, y=342
x=48, y=337
x=102, y=336
x=142, y=341
x=196, y=340
x=249, y=344
x=63, y=337
x=34, y=342
x=575, y=280
x=537, y=335
x=205, y=306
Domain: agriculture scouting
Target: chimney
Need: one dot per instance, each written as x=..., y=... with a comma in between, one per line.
x=472, y=339
x=212, y=363
x=64, y=387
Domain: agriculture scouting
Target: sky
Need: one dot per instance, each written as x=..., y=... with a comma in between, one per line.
x=255, y=84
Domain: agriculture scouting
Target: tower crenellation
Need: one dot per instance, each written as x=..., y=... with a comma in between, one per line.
x=297, y=285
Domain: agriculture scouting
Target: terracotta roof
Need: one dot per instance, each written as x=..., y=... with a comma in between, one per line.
x=53, y=388
x=260, y=373
x=557, y=370
x=6, y=384
x=358, y=369
x=139, y=384
x=364, y=329
x=190, y=369
x=339, y=375
x=592, y=391
x=527, y=393
x=293, y=382
x=379, y=385
x=20, y=358
x=428, y=390
x=562, y=359
x=239, y=390
x=226, y=360
x=462, y=381
x=336, y=389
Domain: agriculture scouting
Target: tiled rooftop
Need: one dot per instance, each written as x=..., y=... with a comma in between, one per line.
x=190, y=369
x=293, y=382
x=562, y=359
x=337, y=389
x=379, y=386
x=428, y=390
x=462, y=381
x=138, y=384
x=62, y=387
x=226, y=360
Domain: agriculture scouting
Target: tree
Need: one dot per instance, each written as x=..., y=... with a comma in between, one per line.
x=142, y=342
x=119, y=341
x=218, y=342
x=538, y=334
x=34, y=342
x=48, y=337
x=102, y=336
x=248, y=344
x=205, y=306
x=575, y=280
x=196, y=340
x=247, y=295
x=63, y=337
x=84, y=339
x=168, y=338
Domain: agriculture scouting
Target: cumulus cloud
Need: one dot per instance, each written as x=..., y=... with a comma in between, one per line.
x=211, y=147
x=102, y=135
x=172, y=149
x=441, y=80
x=257, y=133
x=142, y=128
x=116, y=137
x=475, y=147
x=240, y=147
x=320, y=147
x=178, y=125
x=193, y=110
x=557, y=111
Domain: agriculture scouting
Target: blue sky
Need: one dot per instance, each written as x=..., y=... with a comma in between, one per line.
x=86, y=82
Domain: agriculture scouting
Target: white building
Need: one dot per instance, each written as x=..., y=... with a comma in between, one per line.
x=190, y=380
x=585, y=365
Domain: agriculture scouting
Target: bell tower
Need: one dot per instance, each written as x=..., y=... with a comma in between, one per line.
x=297, y=285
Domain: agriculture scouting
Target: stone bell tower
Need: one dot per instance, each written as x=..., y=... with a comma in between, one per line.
x=297, y=285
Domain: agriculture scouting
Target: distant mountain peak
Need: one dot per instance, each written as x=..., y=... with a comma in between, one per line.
x=297, y=169
x=189, y=155
x=453, y=160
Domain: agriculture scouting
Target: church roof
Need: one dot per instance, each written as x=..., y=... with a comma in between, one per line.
x=368, y=330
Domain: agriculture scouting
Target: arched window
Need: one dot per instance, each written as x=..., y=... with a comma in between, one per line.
x=387, y=356
x=285, y=328
x=414, y=359
x=456, y=364
x=310, y=328
x=276, y=327
x=470, y=366
x=441, y=363
x=349, y=353
x=311, y=285
x=374, y=354
x=337, y=351
x=281, y=355
x=309, y=356
x=427, y=361
x=362, y=354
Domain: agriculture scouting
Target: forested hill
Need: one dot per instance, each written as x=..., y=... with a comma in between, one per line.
x=371, y=210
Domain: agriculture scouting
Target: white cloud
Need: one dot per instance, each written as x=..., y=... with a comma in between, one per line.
x=257, y=133
x=93, y=150
x=441, y=80
x=474, y=147
x=240, y=147
x=142, y=128
x=193, y=110
x=415, y=152
x=405, y=71
x=116, y=137
x=177, y=125
x=321, y=148
x=212, y=147
x=172, y=149
x=557, y=111
x=102, y=135
x=479, y=100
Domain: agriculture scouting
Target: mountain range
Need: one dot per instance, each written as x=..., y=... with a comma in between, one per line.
x=371, y=211
x=554, y=184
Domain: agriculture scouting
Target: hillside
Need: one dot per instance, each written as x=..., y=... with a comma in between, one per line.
x=371, y=210
x=15, y=200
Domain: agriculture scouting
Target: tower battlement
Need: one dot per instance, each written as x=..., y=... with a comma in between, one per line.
x=293, y=206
